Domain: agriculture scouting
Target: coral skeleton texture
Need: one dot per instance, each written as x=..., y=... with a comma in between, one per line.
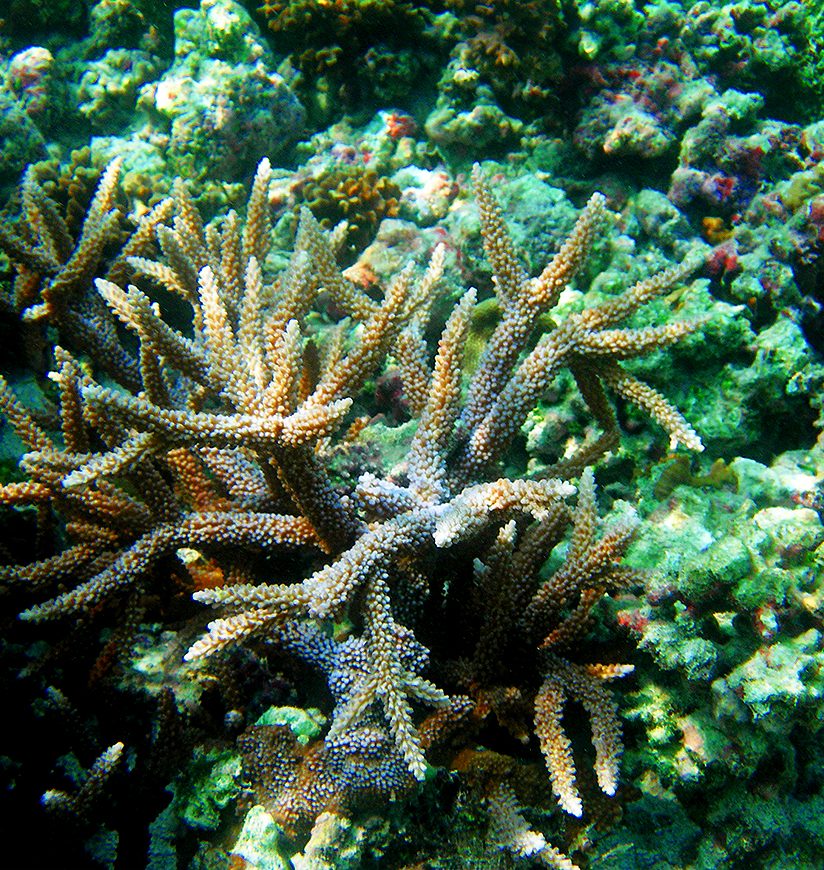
x=423, y=599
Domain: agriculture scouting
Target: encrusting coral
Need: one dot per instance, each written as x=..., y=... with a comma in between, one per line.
x=220, y=447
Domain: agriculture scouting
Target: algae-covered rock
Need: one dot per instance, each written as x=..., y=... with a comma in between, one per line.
x=773, y=584
x=224, y=104
x=769, y=829
x=659, y=218
x=336, y=843
x=304, y=724
x=655, y=833
x=732, y=614
x=21, y=141
x=202, y=792
x=108, y=88
x=724, y=562
x=259, y=843
x=750, y=405
x=677, y=646
x=608, y=27
x=780, y=677
x=466, y=116
x=206, y=787
x=484, y=124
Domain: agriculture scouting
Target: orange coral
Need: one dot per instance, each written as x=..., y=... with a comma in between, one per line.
x=714, y=230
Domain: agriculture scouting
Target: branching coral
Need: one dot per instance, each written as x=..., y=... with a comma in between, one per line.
x=510, y=831
x=92, y=789
x=222, y=446
x=55, y=268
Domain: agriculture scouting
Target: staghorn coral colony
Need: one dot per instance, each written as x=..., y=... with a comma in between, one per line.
x=342, y=343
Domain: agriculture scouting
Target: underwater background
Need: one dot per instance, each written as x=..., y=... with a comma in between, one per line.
x=364, y=509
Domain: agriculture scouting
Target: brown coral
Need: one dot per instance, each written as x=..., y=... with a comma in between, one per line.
x=361, y=197
x=222, y=445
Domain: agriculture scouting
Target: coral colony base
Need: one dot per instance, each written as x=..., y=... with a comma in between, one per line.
x=444, y=604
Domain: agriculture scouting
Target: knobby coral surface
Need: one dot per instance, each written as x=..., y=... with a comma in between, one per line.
x=421, y=593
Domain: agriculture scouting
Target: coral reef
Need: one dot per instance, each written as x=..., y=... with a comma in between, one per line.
x=214, y=444
x=514, y=47
x=290, y=408
x=731, y=618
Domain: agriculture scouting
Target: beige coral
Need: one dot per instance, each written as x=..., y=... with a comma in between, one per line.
x=221, y=442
